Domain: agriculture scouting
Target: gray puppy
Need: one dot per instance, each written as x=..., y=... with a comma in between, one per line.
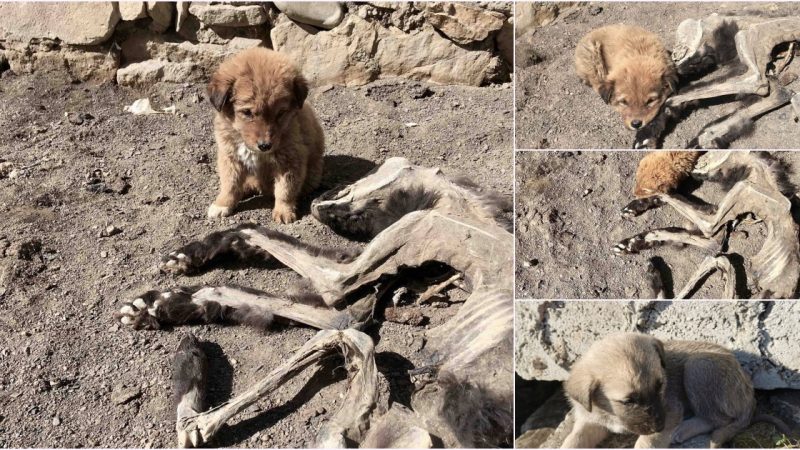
x=634, y=383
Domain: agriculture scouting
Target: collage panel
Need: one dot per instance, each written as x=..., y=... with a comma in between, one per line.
x=620, y=75
x=656, y=374
x=256, y=224
x=663, y=224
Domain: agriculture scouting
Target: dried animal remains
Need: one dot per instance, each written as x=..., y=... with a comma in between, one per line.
x=764, y=48
x=759, y=190
x=414, y=216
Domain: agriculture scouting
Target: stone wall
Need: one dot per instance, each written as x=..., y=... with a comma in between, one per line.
x=763, y=335
x=139, y=43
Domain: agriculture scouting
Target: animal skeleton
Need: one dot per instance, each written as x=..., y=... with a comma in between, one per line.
x=414, y=215
x=759, y=191
x=765, y=48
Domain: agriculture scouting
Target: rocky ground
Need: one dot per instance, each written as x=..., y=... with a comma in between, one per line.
x=568, y=219
x=91, y=198
x=555, y=110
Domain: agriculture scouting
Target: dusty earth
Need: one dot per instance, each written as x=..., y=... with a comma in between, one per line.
x=556, y=110
x=69, y=375
x=568, y=219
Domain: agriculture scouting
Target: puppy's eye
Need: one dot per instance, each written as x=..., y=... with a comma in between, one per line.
x=628, y=401
x=247, y=112
x=652, y=102
x=623, y=102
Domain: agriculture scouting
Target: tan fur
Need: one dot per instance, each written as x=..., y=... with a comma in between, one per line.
x=630, y=68
x=660, y=172
x=635, y=383
x=260, y=98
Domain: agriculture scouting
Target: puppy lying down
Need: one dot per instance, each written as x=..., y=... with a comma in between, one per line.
x=630, y=68
x=635, y=383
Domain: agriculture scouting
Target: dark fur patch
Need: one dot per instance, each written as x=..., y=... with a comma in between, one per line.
x=477, y=416
x=190, y=372
x=498, y=206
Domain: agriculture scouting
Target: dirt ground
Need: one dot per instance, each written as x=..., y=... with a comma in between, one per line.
x=568, y=219
x=556, y=110
x=69, y=375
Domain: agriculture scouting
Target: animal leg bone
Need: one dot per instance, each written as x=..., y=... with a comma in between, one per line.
x=719, y=134
x=655, y=238
x=349, y=422
x=215, y=304
x=709, y=265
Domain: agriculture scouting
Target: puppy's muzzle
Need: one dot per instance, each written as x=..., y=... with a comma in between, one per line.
x=264, y=145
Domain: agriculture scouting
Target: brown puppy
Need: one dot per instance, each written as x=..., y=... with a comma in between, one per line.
x=630, y=69
x=634, y=383
x=268, y=138
x=660, y=172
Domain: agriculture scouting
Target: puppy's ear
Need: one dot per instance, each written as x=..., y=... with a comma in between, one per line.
x=300, y=91
x=660, y=349
x=220, y=89
x=606, y=91
x=581, y=386
x=670, y=79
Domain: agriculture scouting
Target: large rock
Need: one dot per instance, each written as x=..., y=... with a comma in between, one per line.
x=229, y=15
x=194, y=30
x=79, y=23
x=150, y=59
x=359, y=51
x=132, y=10
x=764, y=335
x=149, y=72
x=325, y=15
x=463, y=23
x=85, y=64
x=161, y=12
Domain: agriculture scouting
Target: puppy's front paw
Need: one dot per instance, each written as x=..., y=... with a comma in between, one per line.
x=283, y=213
x=215, y=211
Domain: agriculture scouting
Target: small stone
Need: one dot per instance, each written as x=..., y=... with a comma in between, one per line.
x=110, y=230
x=56, y=421
x=595, y=10
x=123, y=394
x=104, y=254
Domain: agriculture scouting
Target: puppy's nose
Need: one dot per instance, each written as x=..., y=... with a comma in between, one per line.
x=636, y=124
x=264, y=145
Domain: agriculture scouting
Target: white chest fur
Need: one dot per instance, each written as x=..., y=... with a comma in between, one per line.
x=249, y=158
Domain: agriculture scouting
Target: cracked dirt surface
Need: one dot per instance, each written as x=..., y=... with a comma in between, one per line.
x=568, y=220
x=69, y=375
x=556, y=110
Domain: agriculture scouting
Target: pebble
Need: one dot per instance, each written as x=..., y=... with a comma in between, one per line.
x=110, y=230
x=56, y=421
x=104, y=254
x=122, y=394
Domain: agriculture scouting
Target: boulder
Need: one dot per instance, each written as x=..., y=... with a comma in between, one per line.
x=150, y=59
x=194, y=30
x=182, y=12
x=79, y=23
x=229, y=15
x=325, y=15
x=132, y=10
x=551, y=335
x=85, y=64
x=149, y=72
x=359, y=51
x=463, y=23
x=161, y=12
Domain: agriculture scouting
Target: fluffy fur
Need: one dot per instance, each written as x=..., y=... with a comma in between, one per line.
x=630, y=69
x=630, y=382
x=660, y=172
x=269, y=139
